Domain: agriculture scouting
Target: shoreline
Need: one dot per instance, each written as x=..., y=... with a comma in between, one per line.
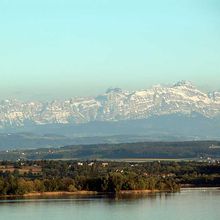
x=80, y=193
x=85, y=193
x=134, y=192
x=51, y=194
x=61, y=193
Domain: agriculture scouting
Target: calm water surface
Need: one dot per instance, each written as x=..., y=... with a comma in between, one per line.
x=196, y=204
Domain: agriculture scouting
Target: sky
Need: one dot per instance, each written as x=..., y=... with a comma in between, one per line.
x=64, y=48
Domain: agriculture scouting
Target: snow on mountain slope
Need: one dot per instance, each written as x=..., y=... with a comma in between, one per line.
x=114, y=105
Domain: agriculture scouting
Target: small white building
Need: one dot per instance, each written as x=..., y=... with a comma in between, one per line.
x=104, y=164
x=91, y=164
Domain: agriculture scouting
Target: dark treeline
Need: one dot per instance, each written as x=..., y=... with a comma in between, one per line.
x=70, y=176
x=166, y=150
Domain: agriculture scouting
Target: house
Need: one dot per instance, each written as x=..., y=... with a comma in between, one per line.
x=104, y=164
x=91, y=164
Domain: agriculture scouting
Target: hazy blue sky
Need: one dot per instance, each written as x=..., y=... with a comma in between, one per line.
x=58, y=48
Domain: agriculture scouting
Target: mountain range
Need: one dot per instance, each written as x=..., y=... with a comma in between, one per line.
x=114, y=105
x=178, y=112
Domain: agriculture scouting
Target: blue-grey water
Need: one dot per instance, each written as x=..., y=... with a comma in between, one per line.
x=189, y=204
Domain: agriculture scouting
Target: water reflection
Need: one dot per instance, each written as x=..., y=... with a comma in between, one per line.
x=188, y=204
x=82, y=198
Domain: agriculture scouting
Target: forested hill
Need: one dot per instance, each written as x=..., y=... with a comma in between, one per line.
x=202, y=150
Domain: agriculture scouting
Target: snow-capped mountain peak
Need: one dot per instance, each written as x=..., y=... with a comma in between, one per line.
x=184, y=83
x=114, y=90
x=116, y=104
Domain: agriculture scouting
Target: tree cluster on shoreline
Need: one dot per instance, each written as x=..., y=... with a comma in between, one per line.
x=111, y=183
x=112, y=177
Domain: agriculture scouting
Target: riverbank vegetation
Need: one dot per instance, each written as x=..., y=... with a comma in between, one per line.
x=23, y=177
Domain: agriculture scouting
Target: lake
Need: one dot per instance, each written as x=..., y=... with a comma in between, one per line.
x=189, y=204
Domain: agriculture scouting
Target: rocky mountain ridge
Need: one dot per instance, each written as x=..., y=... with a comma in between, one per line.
x=114, y=105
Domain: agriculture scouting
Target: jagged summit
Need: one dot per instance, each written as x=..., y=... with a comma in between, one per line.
x=184, y=83
x=114, y=105
x=116, y=90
